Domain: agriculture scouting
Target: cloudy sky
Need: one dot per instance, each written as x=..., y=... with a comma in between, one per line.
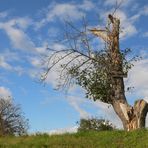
x=27, y=27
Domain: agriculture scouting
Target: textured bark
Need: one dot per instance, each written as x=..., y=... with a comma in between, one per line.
x=131, y=117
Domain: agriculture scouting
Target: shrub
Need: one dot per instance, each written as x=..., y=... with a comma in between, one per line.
x=95, y=125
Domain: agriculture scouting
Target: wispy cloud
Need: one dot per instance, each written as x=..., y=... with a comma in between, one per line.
x=107, y=112
x=5, y=92
x=4, y=64
x=63, y=11
x=63, y=130
x=7, y=63
x=145, y=34
x=143, y=11
x=3, y=14
x=113, y=2
x=76, y=103
x=138, y=78
x=14, y=30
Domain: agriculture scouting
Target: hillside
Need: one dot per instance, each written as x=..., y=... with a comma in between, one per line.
x=105, y=139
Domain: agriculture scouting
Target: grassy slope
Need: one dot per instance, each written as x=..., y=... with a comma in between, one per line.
x=105, y=139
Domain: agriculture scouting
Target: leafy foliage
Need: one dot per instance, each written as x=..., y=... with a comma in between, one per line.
x=84, y=64
x=94, y=77
x=12, y=121
x=97, y=75
x=95, y=125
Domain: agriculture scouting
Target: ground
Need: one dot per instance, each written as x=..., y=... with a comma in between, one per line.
x=103, y=139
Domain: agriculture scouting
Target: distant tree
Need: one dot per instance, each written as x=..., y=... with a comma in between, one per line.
x=95, y=124
x=12, y=121
x=100, y=72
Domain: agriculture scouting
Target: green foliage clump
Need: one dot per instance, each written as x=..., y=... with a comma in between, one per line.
x=95, y=124
x=94, y=77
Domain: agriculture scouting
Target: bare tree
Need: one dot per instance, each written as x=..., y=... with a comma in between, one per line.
x=99, y=72
x=12, y=121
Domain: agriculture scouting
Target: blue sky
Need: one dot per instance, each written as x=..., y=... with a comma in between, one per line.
x=27, y=27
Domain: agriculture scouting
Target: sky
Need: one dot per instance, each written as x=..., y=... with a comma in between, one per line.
x=27, y=27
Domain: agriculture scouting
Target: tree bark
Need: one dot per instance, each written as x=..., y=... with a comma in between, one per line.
x=131, y=117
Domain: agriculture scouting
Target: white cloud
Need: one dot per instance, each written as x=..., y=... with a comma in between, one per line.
x=40, y=63
x=5, y=92
x=20, y=22
x=113, y=2
x=138, y=78
x=23, y=23
x=19, y=70
x=19, y=39
x=145, y=34
x=86, y=5
x=76, y=102
x=7, y=53
x=128, y=30
x=3, y=14
x=16, y=32
x=63, y=130
x=144, y=11
x=62, y=11
x=35, y=61
x=14, y=29
x=4, y=64
x=141, y=12
x=53, y=32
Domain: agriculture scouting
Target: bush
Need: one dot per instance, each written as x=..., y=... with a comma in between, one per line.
x=95, y=125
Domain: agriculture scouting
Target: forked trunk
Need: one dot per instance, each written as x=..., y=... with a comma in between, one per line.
x=132, y=117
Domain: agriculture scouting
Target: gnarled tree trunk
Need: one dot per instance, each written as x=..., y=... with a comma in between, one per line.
x=131, y=117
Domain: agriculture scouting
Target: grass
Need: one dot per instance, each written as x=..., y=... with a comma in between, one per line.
x=103, y=139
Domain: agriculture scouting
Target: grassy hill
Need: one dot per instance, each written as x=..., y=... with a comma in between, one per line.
x=104, y=139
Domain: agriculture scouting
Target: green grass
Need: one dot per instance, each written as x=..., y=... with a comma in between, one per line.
x=104, y=139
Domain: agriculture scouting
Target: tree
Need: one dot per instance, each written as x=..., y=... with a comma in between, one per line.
x=12, y=121
x=100, y=72
x=95, y=125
